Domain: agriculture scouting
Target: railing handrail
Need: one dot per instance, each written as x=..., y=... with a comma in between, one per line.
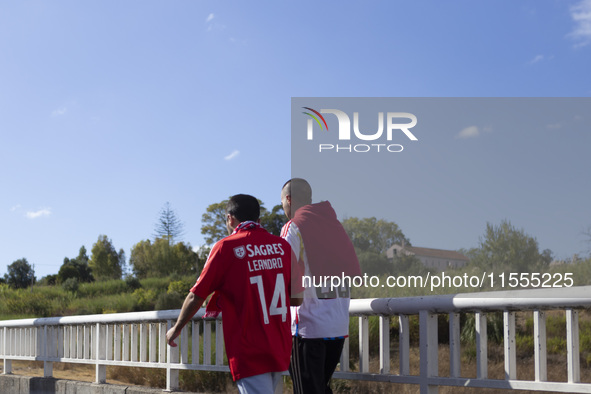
x=107, y=318
x=509, y=300
x=517, y=300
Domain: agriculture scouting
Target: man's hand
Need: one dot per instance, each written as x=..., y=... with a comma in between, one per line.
x=171, y=335
x=190, y=307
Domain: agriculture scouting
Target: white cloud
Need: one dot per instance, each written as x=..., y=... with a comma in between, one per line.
x=59, y=112
x=554, y=126
x=581, y=15
x=16, y=207
x=536, y=59
x=38, y=214
x=469, y=132
x=213, y=25
x=232, y=155
x=539, y=58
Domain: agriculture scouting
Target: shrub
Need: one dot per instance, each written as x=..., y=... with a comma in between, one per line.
x=524, y=344
x=29, y=304
x=180, y=286
x=158, y=284
x=48, y=280
x=494, y=327
x=144, y=299
x=102, y=288
x=556, y=345
x=169, y=300
x=132, y=282
x=71, y=284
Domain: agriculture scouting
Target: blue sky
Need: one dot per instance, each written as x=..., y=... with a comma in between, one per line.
x=108, y=109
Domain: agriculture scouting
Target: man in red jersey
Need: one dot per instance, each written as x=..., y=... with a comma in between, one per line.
x=250, y=273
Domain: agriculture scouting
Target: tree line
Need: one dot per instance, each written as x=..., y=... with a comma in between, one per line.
x=162, y=255
x=502, y=247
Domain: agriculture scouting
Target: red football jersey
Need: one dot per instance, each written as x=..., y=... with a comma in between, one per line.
x=251, y=272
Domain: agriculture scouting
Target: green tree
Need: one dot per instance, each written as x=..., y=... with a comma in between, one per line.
x=374, y=263
x=76, y=268
x=273, y=221
x=214, y=221
x=82, y=255
x=20, y=274
x=505, y=247
x=168, y=226
x=158, y=258
x=373, y=235
x=547, y=257
x=47, y=280
x=404, y=264
x=587, y=235
x=105, y=262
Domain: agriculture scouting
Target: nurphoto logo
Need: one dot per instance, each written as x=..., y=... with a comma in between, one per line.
x=394, y=126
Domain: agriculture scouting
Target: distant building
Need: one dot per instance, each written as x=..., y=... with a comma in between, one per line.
x=438, y=259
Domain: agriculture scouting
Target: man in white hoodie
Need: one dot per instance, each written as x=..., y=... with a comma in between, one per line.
x=321, y=324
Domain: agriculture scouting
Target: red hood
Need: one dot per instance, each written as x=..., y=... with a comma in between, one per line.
x=328, y=247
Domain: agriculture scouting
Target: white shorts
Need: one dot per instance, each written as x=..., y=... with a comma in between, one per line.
x=265, y=383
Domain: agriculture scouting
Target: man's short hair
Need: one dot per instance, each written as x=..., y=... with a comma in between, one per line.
x=244, y=207
x=298, y=189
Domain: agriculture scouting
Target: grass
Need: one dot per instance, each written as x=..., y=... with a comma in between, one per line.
x=112, y=296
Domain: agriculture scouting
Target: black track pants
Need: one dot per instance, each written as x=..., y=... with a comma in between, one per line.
x=313, y=362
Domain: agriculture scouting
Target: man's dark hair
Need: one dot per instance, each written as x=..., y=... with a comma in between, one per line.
x=244, y=207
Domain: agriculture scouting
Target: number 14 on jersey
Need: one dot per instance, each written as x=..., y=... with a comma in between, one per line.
x=277, y=300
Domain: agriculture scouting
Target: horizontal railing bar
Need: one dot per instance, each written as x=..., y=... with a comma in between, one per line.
x=107, y=318
x=513, y=300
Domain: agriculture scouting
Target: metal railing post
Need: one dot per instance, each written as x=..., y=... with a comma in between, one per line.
x=454, y=345
x=481, y=346
x=540, y=351
x=384, y=345
x=572, y=346
x=509, y=345
x=363, y=344
x=172, y=375
x=101, y=369
x=404, y=345
x=429, y=352
x=7, y=351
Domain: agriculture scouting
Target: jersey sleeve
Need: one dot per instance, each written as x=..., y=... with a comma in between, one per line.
x=297, y=274
x=291, y=234
x=210, y=279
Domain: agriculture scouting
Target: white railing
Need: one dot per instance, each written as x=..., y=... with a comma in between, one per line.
x=138, y=340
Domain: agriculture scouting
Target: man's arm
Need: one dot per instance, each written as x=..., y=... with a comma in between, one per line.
x=190, y=307
x=296, y=289
x=292, y=236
